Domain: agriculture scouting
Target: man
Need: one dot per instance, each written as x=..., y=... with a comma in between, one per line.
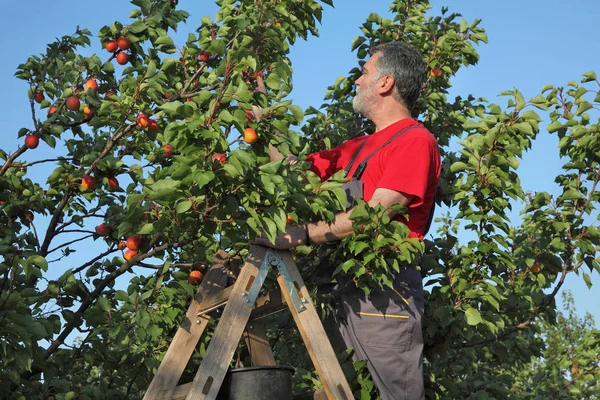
x=385, y=327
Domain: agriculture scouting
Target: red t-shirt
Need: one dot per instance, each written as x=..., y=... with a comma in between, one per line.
x=409, y=164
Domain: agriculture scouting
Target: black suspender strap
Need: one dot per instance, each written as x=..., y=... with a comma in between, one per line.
x=349, y=166
x=361, y=167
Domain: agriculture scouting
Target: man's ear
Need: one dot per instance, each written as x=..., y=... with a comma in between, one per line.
x=386, y=85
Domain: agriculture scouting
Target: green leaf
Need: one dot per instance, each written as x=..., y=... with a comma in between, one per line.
x=524, y=127
x=108, y=67
x=298, y=113
x=171, y=108
x=571, y=194
x=458, y=166
x=273, y=81
x=104, y=304
x=272, y=167
x=357, y=42
x=217, y=46
x=583, y=107
x=121, y=295
x=554, y=126
x=146, y=229
x=359, y=211
x=588, y=280
x=164, y=188
x=342, y=199
x=39, y=261
x=473, y=316
x=183, y=207
x=166, y=266
x=137, y=27
x=589, y=76
x=164, y=40
x=151, y=71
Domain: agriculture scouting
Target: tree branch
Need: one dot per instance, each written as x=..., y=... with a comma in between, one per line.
x=71, y=242
x=42, y=161
x=521, y=325
x=93, y=260
x=12, y=158
x=75, y=219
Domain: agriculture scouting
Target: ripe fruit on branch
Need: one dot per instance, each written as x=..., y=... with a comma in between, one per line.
x=535, y=268
x=249, y=115
x=204, y=56
x=289, y=220
x=38, y=96
x=73, y=103
x=122, y=58
x=153, y=126
x=108, y=95
x=88, y=182
x=129, y=254
x=133, y=242
x=250, y=135
x=220, y=157
x=103, y=229
x=31, y=141
x=121, y=246
x=142, y=120
x=195, y=277
x=87, y=111
x=113, y=182
x=168, y=150
x=52, y=110
x=111, y=46
x=91, y=84
x=123, y=43
x=29, y=216
x=436, y=72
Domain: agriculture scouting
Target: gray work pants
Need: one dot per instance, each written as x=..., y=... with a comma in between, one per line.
x=385, y=330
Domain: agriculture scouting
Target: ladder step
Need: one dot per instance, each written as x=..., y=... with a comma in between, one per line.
x=178, y=393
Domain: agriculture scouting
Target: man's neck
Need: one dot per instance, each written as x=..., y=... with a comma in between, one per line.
x=388, y=113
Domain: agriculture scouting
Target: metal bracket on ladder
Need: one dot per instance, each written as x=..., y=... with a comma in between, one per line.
x=271, y=259
x=297, y=301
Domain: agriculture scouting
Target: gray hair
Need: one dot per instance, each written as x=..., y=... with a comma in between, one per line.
x=405, y=64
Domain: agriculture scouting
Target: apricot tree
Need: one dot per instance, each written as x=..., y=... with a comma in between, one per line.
x=154, y=171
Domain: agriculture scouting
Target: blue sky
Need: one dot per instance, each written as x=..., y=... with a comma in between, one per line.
x=531, y=43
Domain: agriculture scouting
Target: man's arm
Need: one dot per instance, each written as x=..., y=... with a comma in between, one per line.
x=323, y=232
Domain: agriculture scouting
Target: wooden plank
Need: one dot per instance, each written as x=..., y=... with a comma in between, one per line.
x=189, y=332
x=257, y=341
x=178, y=393
x=314, y=336
x=226, y=337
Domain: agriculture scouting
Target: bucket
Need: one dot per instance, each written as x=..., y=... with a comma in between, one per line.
x=257, y=383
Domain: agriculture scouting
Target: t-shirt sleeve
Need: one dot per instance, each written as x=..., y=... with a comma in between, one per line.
x=324, y=163
x=410, y=167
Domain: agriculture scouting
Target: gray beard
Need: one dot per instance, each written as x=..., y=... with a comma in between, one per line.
x=364, y=102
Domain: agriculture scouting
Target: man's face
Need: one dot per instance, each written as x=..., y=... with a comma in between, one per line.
x=366, y=98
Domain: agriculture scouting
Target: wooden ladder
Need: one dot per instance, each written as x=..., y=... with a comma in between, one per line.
x=243, y=306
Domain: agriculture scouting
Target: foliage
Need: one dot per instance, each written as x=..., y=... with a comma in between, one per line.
x=486, y=298
x=569, y=367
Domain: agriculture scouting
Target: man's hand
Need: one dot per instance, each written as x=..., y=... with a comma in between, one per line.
x=294, y=235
